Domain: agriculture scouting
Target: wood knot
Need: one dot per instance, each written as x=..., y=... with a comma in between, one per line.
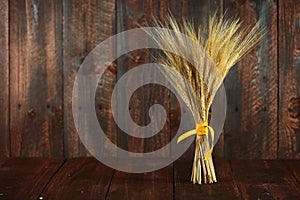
x=113, y=68
x=294, y=107
x=31, y=113
x=294, y=112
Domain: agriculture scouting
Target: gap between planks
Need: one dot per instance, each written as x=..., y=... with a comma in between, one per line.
x=58, y=169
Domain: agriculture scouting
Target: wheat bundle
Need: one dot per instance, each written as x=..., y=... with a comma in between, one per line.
x=225, y=42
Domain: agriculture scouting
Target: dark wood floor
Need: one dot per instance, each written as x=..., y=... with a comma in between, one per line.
x=86, y=178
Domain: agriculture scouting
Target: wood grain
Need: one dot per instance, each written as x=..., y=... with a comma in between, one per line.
x=4, y=77
x=86, y=178
x=289, y=79
x=22, y=178
x=80, y=178
x=225, y=188
x=130, y=13
x=252, y=88
x=86, y=24
x=36, y=119
x=153, y=185
x=265, y=180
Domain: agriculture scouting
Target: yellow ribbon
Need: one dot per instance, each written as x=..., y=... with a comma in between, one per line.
x=201, y=129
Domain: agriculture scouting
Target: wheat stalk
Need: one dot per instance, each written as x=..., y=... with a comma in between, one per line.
x=225, y=42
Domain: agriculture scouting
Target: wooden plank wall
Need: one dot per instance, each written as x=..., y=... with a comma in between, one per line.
x=4, y=77
x=86, y=24
x=252, y=88
x=44, y=42
x=289, y=81
x=36, y=104
x=130, y=14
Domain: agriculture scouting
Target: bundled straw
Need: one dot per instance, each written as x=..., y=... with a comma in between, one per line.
x=224, y=42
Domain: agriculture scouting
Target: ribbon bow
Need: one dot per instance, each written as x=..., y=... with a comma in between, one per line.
x=201, y=129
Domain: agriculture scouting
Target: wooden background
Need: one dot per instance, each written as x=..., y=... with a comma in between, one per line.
x=44, y=42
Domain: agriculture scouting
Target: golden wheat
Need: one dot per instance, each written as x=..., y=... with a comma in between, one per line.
x=225, y=40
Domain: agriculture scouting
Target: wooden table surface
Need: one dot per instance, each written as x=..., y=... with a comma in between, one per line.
x=86, y=178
